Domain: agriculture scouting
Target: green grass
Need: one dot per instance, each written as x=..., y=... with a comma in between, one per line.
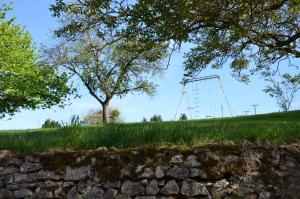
x=274, y=127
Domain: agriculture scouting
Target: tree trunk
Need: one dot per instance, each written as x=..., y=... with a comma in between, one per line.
x=105, y=112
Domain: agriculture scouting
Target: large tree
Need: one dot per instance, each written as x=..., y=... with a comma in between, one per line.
x=262, y=32
x=24, y=82
x=109, y=71
x=92, y=45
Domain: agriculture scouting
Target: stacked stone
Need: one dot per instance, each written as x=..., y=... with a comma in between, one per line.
x=196, y=174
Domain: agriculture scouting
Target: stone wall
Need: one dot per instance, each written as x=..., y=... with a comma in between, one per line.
x=212, y=171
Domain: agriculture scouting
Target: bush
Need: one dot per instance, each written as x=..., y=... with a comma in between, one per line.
x=156, y=118
x=114, y=115
x=51, y=124
x=183, y=117
x=95, y=116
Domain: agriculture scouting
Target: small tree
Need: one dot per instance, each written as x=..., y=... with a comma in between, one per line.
x=156, y=118
x=144, y=120
x=284, y=91
x=51, y=124
x=183, y=117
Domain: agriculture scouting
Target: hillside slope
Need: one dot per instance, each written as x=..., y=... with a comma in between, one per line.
x=273, y=127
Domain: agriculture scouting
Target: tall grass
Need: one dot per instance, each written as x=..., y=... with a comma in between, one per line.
x=278, y=128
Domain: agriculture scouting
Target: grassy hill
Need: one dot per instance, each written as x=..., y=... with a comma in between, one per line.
x=273, y=127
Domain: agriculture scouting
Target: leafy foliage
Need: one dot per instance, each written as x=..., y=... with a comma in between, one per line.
x=115, y=115
x=183, y=117
x=51, y=124
x=25, y=83
x=144, y=120
x=262, y=31
x=284, y=91
x=156, y=118
x=96, y=116
x=92, y=48
x=4, y=8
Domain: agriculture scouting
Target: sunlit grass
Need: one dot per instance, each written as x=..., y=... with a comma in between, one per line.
x=276, y=127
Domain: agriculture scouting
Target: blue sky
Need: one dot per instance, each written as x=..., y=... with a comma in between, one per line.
x=36, y=17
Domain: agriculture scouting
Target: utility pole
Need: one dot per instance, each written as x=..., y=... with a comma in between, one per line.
x=254, y=106
x=246, y=112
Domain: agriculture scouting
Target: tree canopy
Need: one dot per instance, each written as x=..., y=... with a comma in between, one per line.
x=110, y=70
x=284, y=91
x=24, y=82
x=262, y=32
x=241, y=31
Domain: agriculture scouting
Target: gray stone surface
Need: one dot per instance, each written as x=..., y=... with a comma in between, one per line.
x=93, y=193
x=147, y=173
x=73, y=193
x=120, y=196
x=191, y=161
x=15, y=161
x=23, y=193
x=194, y=173
x=157, y=177
x=115, y=184
x=264, y=195
x=231, y=158
x=77, y=174
x=132, y=188
x=30, y=167
x=159, y=172
x=24, y=178
x=152, y=188
x=170, y=188
x=42, y=193
x=110, y=193
x=29, y=158
x=8, y=170
x=47, y=175
x=6, y=194
x=176, y=159
x=192, y=188
x=178, y=172
x=221, y=184
x=139, y=168
x=59, y=193
x=9, y=179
